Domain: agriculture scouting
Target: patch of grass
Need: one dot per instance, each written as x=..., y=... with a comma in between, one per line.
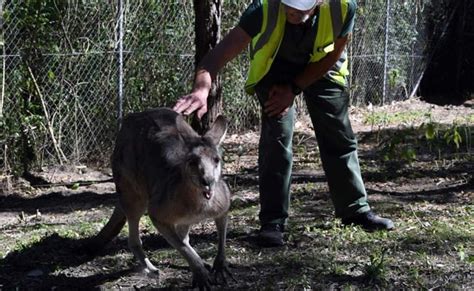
x=25, y=242
x=250, y=210
x=168, y=255
x=69, y=233
x=382, y=119
x=88, y=228
x=375, y=270
x=146, y=225
x=300, y=281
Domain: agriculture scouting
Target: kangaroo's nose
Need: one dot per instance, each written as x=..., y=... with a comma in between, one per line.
x=206, y=181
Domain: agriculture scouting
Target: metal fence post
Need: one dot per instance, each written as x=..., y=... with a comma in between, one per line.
x=2, y=44
x=385, y=52
x=120, y=62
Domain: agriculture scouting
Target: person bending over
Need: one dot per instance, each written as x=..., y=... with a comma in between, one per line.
x=296, y=46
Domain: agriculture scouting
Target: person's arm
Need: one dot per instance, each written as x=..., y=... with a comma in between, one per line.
x=315, y=71
x=281, y=97
x=226, y=50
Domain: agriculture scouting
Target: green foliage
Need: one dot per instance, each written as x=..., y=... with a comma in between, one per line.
x=394, y=78
x=35, y=22
x=160, y=68
x=376, y=269
x=431, y=131
x=403, y=143
x=452, y=136
x=445, y=137
x=399, y=147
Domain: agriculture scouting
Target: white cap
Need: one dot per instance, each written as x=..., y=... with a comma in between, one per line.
x=300, y=4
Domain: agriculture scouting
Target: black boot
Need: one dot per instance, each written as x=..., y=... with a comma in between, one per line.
x=369, y=221
x=271, y=235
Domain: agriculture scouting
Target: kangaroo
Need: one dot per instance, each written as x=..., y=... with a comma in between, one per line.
x=162, y=167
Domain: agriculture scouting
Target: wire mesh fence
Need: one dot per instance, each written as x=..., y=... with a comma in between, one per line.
x=388, y=51
x=66, y=63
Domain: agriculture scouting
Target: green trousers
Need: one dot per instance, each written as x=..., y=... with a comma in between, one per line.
x=328, y=105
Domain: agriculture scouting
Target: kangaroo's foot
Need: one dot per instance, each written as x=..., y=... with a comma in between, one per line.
x=148, y=270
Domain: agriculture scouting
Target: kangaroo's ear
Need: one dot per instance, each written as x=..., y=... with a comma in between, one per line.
x=184, y=129
x=218, y=130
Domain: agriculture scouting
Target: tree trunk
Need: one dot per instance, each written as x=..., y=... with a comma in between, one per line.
x=461, y=21
x=207, y=34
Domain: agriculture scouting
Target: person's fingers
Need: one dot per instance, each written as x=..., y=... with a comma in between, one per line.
x=267, y=107
x=270, y=114
x=276, y=109
x=193, y=107
x=284, y=112
x=201, y=112
x=272, y=92
x=182, y=104
x=273, y=109
x=271, y=102
x=267, y=104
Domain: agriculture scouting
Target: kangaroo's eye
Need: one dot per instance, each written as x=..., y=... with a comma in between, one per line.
x=194, y=162
x=216, y=160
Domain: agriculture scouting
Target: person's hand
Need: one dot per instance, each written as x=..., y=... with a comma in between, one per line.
x=187, y=104
x=280, y=99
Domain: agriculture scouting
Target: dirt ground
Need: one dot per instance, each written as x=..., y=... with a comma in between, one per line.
x=425, y=187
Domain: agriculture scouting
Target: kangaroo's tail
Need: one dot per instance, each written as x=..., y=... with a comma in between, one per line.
x=108, y=232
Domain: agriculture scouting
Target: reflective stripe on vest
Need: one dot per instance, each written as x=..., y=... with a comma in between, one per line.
x=331, y=21
x=265, y=44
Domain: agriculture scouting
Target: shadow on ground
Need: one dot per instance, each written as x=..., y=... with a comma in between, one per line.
x=35, y=266
x=59, y=262
x=57, y=202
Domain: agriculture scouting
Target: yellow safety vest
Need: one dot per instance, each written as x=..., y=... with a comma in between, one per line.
x=265, y=45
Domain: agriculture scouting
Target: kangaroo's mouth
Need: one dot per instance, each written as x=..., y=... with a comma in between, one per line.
x=207, y=194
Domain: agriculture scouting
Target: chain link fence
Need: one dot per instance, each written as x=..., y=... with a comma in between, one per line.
x=389, y=50
x=71, y=68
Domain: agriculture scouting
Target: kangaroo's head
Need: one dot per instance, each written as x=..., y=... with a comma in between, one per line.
x=203, y=161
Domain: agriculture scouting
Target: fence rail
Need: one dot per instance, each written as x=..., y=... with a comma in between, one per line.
x=70, y=69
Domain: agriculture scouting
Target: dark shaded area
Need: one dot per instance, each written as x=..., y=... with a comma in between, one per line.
x=47, y=255
x=39, y=182
x=442, y=195
x=432, y=244
x=296, y=178
x=57, y=202
x=55, y=252
x=449, y=76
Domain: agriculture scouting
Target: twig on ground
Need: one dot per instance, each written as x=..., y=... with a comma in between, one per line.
x=417, y=218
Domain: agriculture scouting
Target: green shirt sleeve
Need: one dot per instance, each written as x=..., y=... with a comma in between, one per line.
x=348, y=26
x=252, y=18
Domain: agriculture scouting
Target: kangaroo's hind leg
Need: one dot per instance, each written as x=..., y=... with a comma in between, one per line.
x=220, y=267
x=134, y=210
x=135, y=244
